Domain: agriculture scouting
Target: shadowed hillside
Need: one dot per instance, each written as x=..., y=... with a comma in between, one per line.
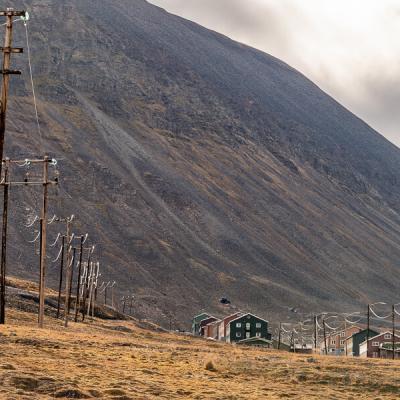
x=200, y=166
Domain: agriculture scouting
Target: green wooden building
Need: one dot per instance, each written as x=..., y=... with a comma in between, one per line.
x=196, y=321
x=354, y=341
x=245, y=327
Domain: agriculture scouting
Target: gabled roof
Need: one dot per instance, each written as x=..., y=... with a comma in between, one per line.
x=218, y=321
x=203, y=321
x=361, y=331
x=245, y=314
x=238, y=314
x=380, y=334
x=254, y=339
x=206, y=315
x=344, y=330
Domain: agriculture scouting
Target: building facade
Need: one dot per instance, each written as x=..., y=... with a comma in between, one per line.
x=371, y=349
x=245, y=327
x=224, y=323
x=204, y=325
x=211, y=330
x=336, y=342
x=353, y=342
x=196, y=322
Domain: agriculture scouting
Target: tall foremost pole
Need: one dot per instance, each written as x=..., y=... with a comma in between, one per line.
x=43, y=241
x=325, y=343
x=6, y=72
x=4, y=248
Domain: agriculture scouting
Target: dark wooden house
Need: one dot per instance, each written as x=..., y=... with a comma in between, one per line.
x=245, y=327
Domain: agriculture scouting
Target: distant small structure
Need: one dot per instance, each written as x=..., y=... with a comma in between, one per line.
x=302, y=348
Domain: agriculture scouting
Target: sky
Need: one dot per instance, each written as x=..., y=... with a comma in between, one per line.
x=350, y=48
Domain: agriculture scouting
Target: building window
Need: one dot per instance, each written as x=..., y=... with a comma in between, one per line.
x=342, y=342
x=238, y=334
x=388, y=336
x=258, y=334
x=247, y=335
x=247, y=325
x=342, y=334
x=258, y=325
x=333, y=350
x=375, y=344
x=238, y=325
x=333, y=341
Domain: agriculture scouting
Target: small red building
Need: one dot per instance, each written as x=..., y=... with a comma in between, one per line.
x=224, y=323
x=377, y=346
x=203, y=324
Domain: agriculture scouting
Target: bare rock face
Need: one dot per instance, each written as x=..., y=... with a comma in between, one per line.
x=201, y=167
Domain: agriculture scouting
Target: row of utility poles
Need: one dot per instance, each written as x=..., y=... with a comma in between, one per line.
x=87, y=270
x=347, y=324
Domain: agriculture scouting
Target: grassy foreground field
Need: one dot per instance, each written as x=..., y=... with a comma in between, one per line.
x=120, y=360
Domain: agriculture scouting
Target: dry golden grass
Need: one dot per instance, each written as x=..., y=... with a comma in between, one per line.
x=120, y=360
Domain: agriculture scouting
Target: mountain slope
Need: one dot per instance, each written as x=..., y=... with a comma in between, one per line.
x=202, y=167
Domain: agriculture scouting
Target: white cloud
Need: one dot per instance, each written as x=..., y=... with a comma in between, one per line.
x=350, y=48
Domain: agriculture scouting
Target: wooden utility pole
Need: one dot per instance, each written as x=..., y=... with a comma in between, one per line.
x=86, y=283
x=77, y=301
x=105, y=293
x=45, y=182
x=90, y=286
x=71, y=279
x=7, y=50
x=292, y=342
x=61, y=277
x=368, y=319
x=43, y=241
x=130, y=306
x=95, y=281
x=279, y=335
x=112, y=294
x=123, y=304
x=315, y=334
x=393, y=332
x=4, y=248
x=6, y=71
x=325, y=343
x=68, y=272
